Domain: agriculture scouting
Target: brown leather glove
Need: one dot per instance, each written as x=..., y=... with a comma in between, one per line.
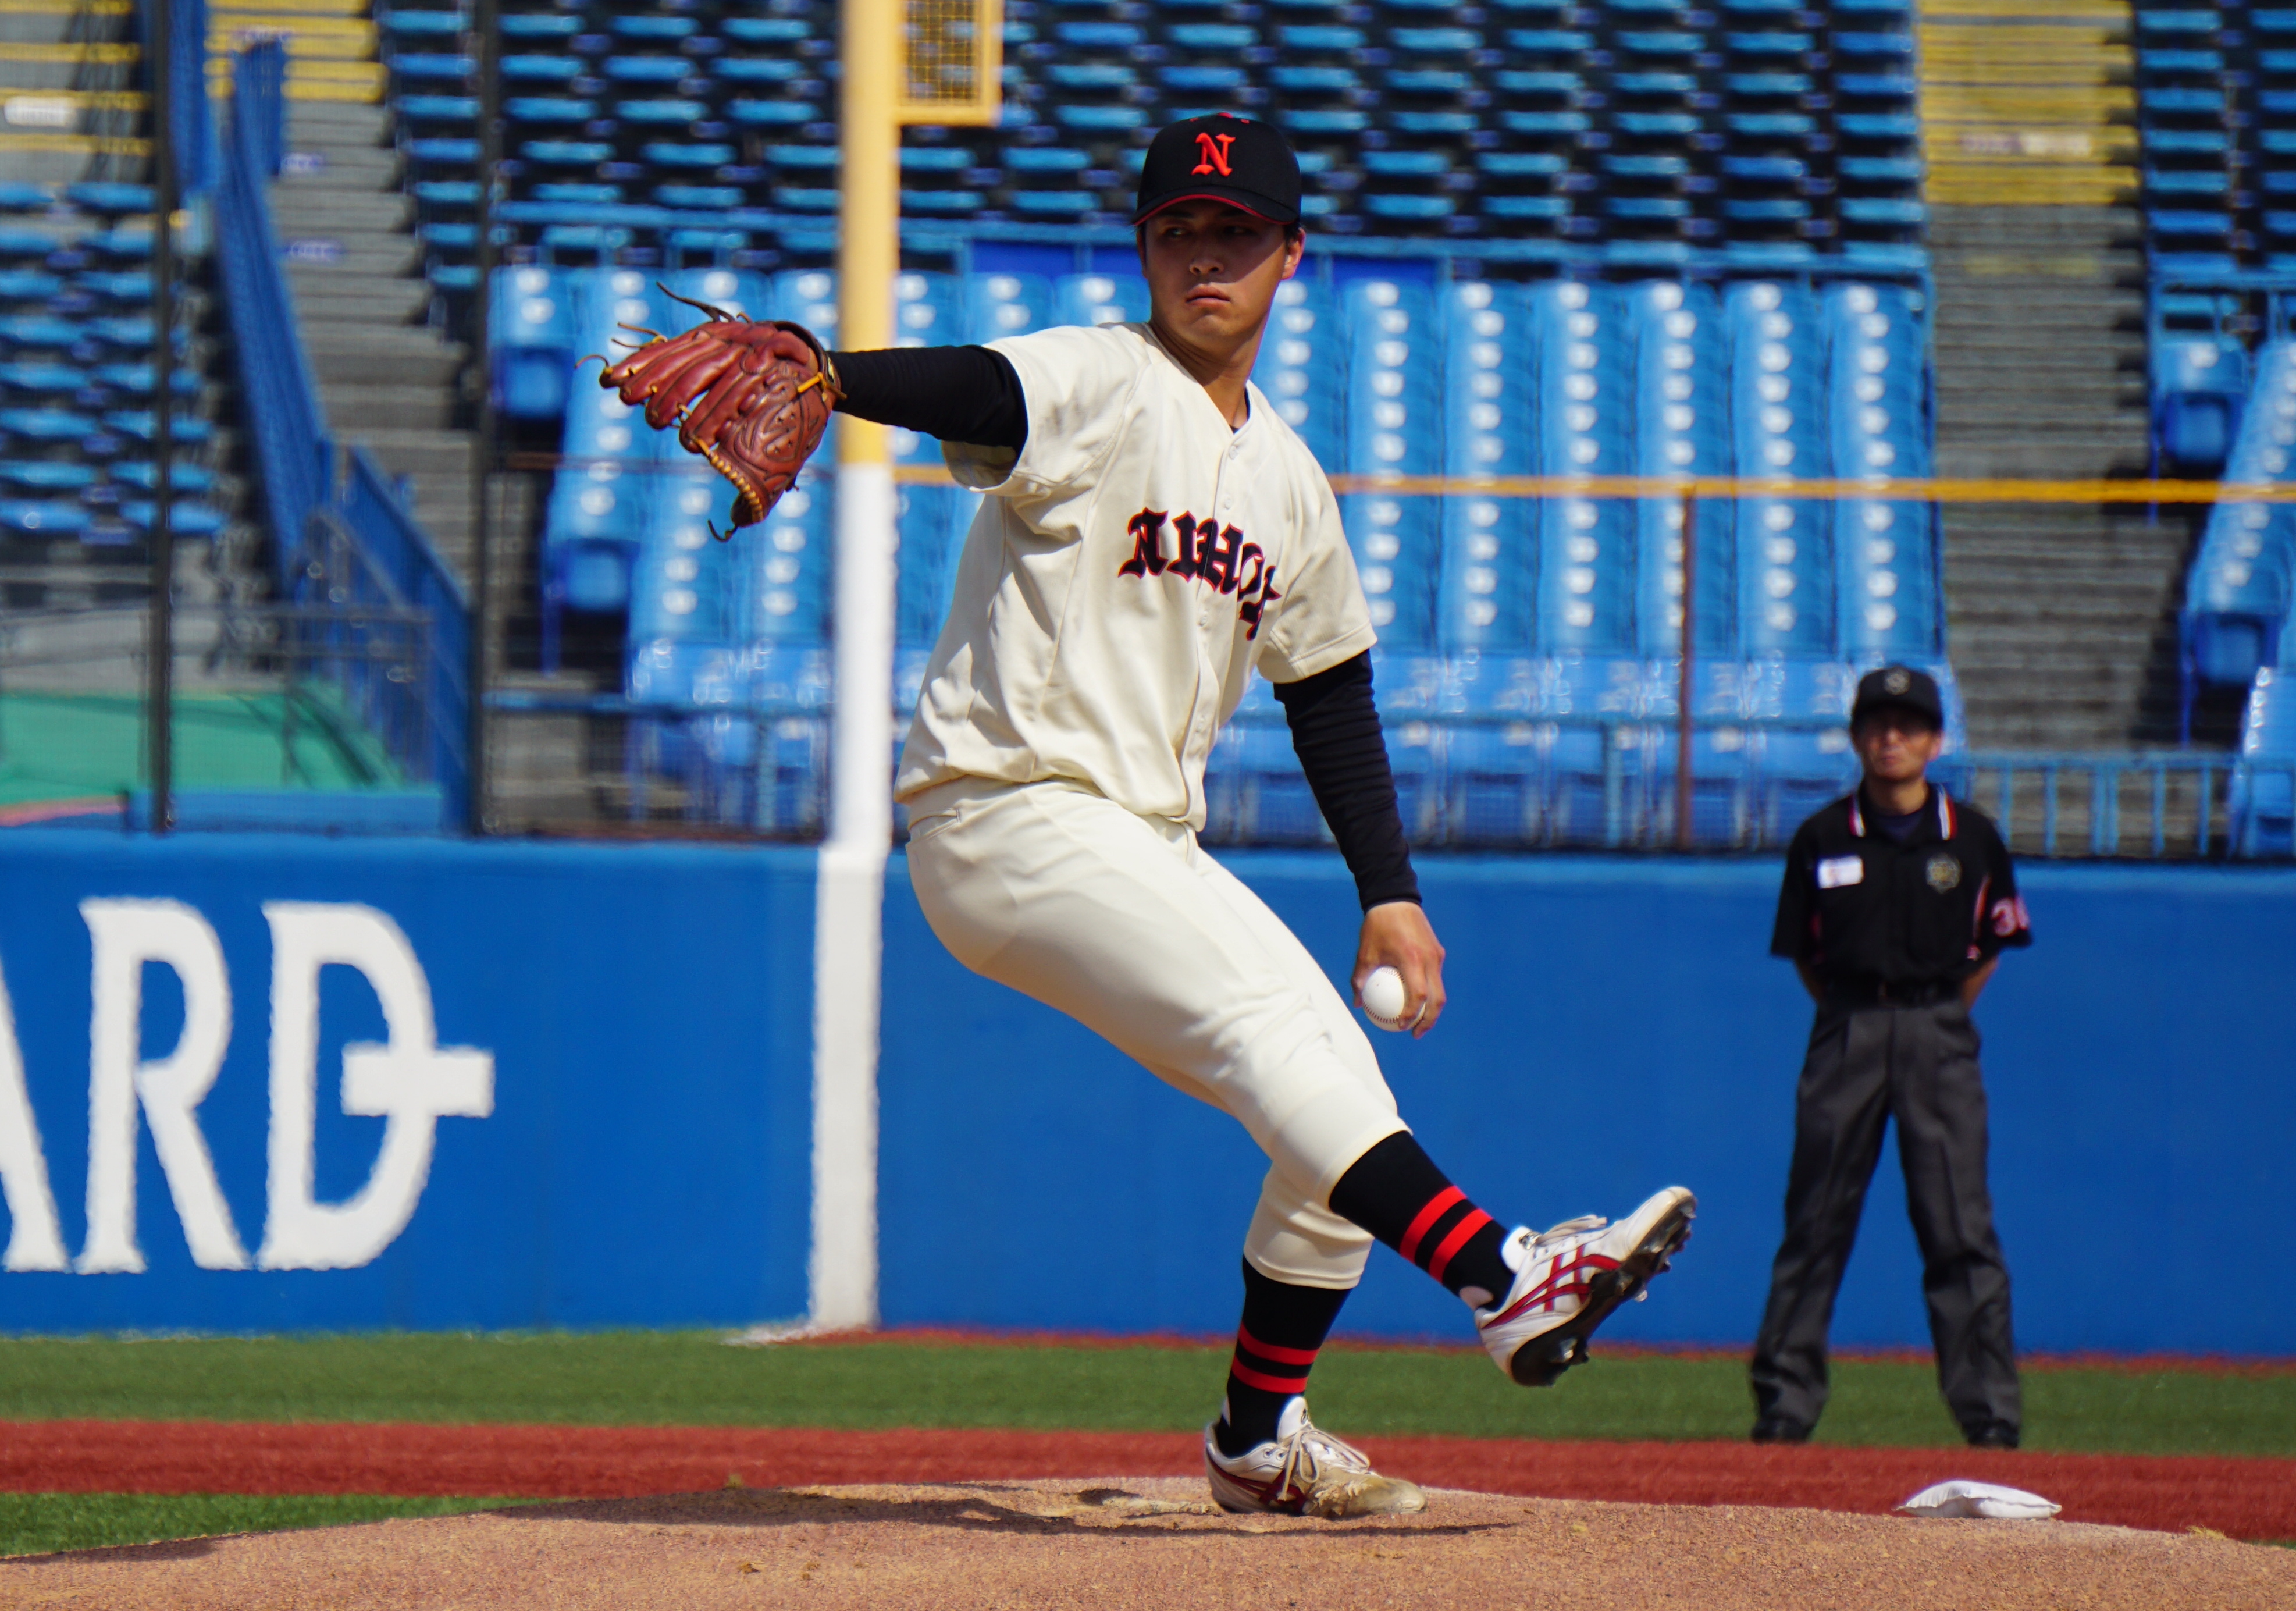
x=753, y=397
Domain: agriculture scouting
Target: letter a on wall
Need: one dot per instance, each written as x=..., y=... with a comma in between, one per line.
x=410, y=1082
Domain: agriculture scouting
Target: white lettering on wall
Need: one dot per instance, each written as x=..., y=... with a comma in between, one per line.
x=34, y=1240
x=411, y=1083
x=127, y=935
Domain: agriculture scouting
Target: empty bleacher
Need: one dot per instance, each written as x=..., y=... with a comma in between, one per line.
x=1634, y=172
x=2237, y=596
x=1525, y=659
x=78, y=356
x=1773, y=135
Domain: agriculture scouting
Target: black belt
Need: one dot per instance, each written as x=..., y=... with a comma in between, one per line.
x=1878, y=993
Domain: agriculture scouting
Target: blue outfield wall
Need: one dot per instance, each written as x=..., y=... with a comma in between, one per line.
x=634, y=1024
x=1615, y=1026
x=648, y=1012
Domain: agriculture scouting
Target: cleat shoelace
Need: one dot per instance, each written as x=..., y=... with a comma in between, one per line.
x=1306, y=1453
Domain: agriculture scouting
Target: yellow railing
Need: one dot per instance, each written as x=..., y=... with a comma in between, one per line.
x=1930, y=489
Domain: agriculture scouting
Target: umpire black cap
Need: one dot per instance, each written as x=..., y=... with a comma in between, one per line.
x=1899, y=688
x=1220, y=158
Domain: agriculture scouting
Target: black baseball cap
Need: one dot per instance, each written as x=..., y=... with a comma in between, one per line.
x=1899, y=688
x=1220, y=158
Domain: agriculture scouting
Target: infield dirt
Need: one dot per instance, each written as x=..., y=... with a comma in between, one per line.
x=1158, y=1543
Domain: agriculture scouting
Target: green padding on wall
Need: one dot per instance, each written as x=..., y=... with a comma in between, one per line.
x=60, y=747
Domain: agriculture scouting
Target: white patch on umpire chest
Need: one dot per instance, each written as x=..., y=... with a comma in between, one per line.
x=1836, y=871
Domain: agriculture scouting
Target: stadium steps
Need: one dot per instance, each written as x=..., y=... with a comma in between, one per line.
x=331, y=54
x=2027, y=103
x=79, y=66
x=2061, y=618
x=385, y=381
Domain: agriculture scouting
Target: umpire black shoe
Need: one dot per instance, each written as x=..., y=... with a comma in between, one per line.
x=1993, y=1435
x=1770, y=1431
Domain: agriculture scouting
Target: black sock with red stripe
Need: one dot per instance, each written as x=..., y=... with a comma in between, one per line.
x=1284, y=1327
x=1395, y=1192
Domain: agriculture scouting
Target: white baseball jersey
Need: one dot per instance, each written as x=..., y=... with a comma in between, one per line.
x=1127, y=571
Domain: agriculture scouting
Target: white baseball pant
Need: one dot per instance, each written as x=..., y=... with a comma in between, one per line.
x=1123, y=922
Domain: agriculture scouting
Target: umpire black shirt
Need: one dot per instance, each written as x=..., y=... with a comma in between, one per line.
x=1868, y=909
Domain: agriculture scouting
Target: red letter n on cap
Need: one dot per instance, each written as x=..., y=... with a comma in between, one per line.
x=1212, y=154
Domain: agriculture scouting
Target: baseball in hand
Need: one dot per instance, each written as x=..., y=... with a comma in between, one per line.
x=1383, y=998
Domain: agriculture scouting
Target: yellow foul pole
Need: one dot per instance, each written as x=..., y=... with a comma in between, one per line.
x=849, y=888
x=868, y=246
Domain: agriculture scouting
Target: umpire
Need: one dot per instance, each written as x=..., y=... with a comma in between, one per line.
x=1896, y=906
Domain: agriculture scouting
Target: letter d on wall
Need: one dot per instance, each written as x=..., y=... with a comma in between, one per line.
x=410, y=1082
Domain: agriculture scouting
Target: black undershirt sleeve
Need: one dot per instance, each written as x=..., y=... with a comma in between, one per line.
x=957, y=394
x=1335, y=733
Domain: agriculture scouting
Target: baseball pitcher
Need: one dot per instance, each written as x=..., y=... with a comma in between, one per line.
x=1151, y=534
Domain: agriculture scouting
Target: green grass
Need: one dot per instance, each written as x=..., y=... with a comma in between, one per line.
x=693, y=1379
x=689, y=1379
x=37, y=1523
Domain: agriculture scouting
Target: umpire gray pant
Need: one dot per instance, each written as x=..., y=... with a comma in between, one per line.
x=1865, y=1065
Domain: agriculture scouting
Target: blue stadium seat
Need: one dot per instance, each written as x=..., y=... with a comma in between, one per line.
x=183, y=477
x=51, y=475
x=735, y=290
x=1005, y=304
x=1885, y=551
x=599, y=500
x=686, y=587
x=532, y=332
x=654, y=29
x=1302, y=367
x=772, y=114
x=1489, y=560
x=808, y=296
x=530, y=25
x=1796, y=771
x=428, y=67
x=517, y=68
x=2238, y=591
x=1680, y=429
x=1254, y=790
x=1586, y=591
x=2261, y=801
x=929, y=311
x=2199, y=383
x=1099, y=299
x=43, y=517
x=404, y=24
x=756, y=70
x=1723, y=803
x=1778, y=402
x=1394, y=429
x=1499, y=782
x=55, y=425
x=787, y=564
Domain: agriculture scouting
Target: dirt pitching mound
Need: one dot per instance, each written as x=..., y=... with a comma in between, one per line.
x=1158, y=1543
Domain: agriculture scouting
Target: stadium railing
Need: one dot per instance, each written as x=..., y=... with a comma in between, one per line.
x=342, y=538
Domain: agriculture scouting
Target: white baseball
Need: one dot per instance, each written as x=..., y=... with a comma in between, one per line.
x=1383, y=998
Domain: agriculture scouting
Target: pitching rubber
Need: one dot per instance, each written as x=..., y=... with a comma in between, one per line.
x=1546, y=1357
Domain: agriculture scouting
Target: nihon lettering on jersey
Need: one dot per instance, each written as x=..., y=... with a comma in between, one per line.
x=1209, y=553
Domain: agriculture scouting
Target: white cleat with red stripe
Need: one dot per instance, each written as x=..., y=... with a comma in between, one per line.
x=1304, y=1472
x=1568, y=1280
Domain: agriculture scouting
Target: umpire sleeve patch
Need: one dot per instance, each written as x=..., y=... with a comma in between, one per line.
x=1836, y=872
